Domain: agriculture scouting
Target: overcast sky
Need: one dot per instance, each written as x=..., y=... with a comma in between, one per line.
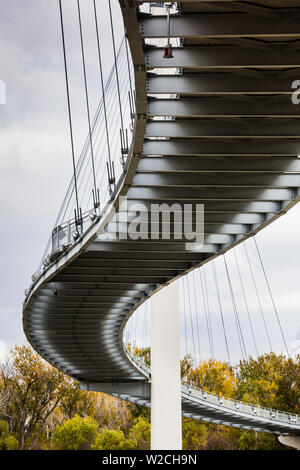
x=35, y=165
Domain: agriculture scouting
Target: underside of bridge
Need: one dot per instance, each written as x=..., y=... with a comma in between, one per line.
x=215, y=125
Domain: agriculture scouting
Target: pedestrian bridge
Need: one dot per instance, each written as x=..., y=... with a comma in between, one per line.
x=204, y=406
x=198, y=110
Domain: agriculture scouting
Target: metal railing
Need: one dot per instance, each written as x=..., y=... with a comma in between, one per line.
x=220, y=402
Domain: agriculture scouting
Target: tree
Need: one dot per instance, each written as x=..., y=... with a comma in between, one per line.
x=271, y=381
x=33, y=389
x=7, y=441
x=252, y=440
x=76, y=434
x=140, y=434
x=213, y=376
x=194, y=434
x=78, y=402
x=112, y=440
x=114, y=413
x=143, y=353
x=222, y=437
x=186, y=365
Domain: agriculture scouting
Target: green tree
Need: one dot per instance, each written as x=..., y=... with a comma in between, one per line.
x=271, y=381
x=140, y=434
x=76, y=434
x=213, y=376
x=222, y=437
x=252, y=440
x=194, y=434
x=186, y=365
x=7, y=440
x=78, y=402
x=33, y=389
x=112, y=440
x=144, y=353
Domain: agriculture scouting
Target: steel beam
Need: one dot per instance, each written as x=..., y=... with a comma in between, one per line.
x=216, y=194
x=219, y=147
x=142, y=247
x=222, y=83
x=215, y=164
x=218, y=107
x=252, y=127
x=220, y=25
x=138, y=390
x=219, y=180
x=232, y=207
x=222, y=57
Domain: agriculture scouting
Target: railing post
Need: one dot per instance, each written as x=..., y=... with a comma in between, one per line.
x=166, y=432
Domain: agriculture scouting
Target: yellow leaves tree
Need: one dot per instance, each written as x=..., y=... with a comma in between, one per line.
x=76, y=434
x=214, y=377
x=112, y=440
x=194, y=434
x=34, y=389
x=270, y=380
x=76, y=401
x=140, y=434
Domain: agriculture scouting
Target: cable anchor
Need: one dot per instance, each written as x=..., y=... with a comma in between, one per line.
x=78, y=224
x=111, y=176
x=124, y=146
x=96, y=198
x=131, y=106
x=168, y=50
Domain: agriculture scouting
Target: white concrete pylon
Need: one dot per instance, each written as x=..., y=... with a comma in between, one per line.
x=166, y=425
x=290, y=441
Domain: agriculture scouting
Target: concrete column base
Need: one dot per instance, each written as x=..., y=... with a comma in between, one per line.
x=290, y=441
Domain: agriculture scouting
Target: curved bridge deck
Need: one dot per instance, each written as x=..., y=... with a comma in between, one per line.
x=218, y=127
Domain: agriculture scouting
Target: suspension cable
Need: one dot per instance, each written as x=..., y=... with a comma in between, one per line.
x=96, y=194
x=79, y=166
x=131, y=96
x=184, y=316
x=197, y=319
x=208, y=314
x=69, y=112
x=191, y=317
x=110, y=167
x=145, y=325
x=271, y=295
x=245, y=300
x=257, y=295
x=220, y=308
x=110, y=101
x=135, y=329
x=123, y=150
x=237, y=320
x=205, y=300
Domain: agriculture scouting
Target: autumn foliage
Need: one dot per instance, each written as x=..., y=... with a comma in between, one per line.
x=41, y=408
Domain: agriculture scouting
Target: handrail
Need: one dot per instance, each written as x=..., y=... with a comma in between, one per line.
x=237, y=406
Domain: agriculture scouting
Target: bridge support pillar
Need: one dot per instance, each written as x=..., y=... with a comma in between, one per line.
x=166, y=430
x=290, y=441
